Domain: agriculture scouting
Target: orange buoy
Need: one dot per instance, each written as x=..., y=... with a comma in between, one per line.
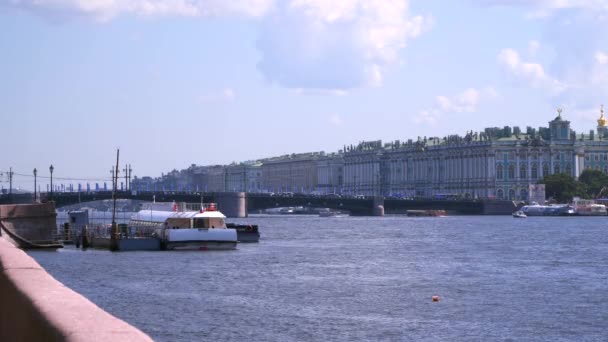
x=435, y=298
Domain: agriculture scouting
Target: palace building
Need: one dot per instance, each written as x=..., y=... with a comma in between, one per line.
x=496, y=163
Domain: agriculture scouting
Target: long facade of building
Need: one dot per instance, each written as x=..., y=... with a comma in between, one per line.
x=496, y=163
x=291, y=173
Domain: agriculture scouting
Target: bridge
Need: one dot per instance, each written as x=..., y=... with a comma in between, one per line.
x=252, y=202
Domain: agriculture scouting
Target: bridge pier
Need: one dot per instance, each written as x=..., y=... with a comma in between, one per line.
x=378, y=206
x=232, y=204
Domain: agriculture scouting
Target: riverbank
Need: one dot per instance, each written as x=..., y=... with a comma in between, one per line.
x=37, y=307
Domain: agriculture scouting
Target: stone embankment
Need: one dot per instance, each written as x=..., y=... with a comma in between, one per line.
x=34, y=306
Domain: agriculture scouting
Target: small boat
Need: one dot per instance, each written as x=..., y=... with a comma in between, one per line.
x=519, y=214
x=426, y=213
x=245, y=232
x=331, y=213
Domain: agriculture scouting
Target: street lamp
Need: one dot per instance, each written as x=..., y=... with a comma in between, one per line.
x=35, y=196
x=51, y=168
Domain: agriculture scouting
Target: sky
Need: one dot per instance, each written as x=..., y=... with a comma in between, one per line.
x=178, y=82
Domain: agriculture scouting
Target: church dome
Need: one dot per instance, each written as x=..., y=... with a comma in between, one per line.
x=601, y=121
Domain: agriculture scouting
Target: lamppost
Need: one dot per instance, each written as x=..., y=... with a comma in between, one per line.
x=35, y=196
x=51, y=168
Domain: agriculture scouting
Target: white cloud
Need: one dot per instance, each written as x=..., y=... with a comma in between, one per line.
x=226, y=95
x=576, y=31
x=601, y=58
x=336, y=120
x=429, y=117
x=104, y=10
x=321, y=92
x=533, y=46
x=317, y=44
x=466, y=102
x=339, y=44
x=547, y=6
x=532, y=74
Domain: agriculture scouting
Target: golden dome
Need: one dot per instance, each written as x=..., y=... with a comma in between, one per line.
x=601, y=121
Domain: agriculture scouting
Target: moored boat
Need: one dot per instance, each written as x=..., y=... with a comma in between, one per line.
x=331, y=213
x=547, y=210
x=589, y=208
x=246, y=232
x=519, y=214
x=188, y=230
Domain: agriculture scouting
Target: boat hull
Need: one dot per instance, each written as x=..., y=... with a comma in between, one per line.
x=200, y=239
x=135, y=244
x=246, y=232
x=200, y=245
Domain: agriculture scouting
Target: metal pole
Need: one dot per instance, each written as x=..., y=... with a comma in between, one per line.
x=35, y=195
x=114, y=235
x=126, y=170
x=130, y=173
x=10, y=181
x=51, y=168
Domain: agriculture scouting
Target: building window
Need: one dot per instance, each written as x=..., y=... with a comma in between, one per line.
x=569, y=169
x=500, y=194
x=605, y=156
x=545, y=170
x=556, y=169
x=522, y=172
x=511, y=194
x=586, y=157
x=499, y=172
x=534, y=171
x=511, y=171
x=596, y=157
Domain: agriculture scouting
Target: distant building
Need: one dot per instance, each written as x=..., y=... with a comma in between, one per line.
x=244, y=177
x=330, y=173
x=496, y=163
x=210, y=178
x=142, y=184
x=291, y=173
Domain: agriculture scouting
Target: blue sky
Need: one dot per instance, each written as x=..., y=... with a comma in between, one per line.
x=180, y=82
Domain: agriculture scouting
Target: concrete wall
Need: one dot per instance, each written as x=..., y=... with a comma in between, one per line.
x=232, y=204
x=34, y=222
x=36, y=307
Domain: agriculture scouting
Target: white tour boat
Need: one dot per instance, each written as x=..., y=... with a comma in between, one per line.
x=589, y=208
x=188, y=230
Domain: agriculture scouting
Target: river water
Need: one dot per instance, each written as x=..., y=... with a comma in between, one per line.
x=363, y=279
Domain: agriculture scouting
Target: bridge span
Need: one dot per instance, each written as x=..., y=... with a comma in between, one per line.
x=235, y=204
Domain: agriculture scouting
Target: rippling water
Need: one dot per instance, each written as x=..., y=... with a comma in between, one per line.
x=363, y=279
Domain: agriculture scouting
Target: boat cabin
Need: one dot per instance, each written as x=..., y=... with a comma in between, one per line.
x=178, y=220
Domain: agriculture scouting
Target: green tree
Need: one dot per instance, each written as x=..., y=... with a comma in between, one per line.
x=594, y=181
x=562, y=187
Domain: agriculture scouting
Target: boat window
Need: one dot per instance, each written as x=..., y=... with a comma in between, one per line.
x=217, y=222
x=200, y=223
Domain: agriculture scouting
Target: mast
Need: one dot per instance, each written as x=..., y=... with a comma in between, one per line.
x=114, y=235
